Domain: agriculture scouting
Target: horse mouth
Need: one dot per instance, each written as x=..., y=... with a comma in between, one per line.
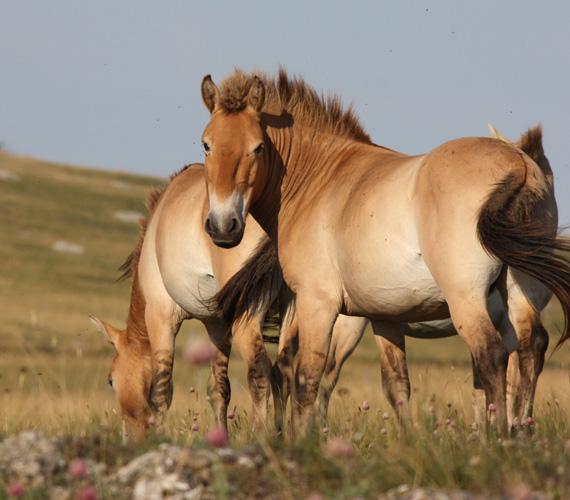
x=227, y=243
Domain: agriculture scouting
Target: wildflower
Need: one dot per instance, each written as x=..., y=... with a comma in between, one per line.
x=217, y=436
x=199, y=352
x=315, y=496
x=232, y=414
x=492, y=407
x=338, y=448
x=87, y=493
x=15, y=490
x=399, y=402
x=365, y=406
x=77, y=469
x=195, y=427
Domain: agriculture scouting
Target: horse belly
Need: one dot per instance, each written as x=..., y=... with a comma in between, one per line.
x=188, y=277
x=193, y=292
x=396, y=287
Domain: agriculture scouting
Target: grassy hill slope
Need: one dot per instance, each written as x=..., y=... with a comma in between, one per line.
x=47, y=294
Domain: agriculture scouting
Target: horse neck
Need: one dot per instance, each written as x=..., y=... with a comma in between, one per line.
x=299, y=161
x=137, y=332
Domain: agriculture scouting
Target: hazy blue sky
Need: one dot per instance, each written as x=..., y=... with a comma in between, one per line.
x=116, y=83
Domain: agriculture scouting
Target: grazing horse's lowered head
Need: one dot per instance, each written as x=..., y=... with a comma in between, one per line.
x=234, y=144
x=131, y=379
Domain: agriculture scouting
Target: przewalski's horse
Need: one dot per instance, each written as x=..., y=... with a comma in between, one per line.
x=176, y=269
x=368, y=231
x=241, y=294
x=526, y=359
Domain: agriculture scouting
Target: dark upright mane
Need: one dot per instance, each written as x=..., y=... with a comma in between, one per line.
x=295, y=96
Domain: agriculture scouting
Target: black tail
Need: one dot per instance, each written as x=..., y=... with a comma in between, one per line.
x=253, y=288
x=512, y=227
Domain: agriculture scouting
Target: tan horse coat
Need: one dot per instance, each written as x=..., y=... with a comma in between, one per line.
x=367, y=231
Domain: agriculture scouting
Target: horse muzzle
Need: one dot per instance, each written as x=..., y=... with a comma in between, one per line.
x=226, y=231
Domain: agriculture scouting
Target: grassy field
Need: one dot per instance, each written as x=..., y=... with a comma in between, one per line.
x=53, y=364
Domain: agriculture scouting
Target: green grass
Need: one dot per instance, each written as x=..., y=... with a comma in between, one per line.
x=54, y=364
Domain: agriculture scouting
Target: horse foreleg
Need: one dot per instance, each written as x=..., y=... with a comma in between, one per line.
x=282, y=371
x=247, y=337
x=316, y=319
x=219, y=390
x=162, y=329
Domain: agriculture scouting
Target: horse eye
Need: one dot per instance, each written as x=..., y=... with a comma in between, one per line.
x=206, y=147
x=258, y=149
x=110, y=382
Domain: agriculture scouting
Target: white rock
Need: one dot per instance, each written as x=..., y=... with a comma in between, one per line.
x=6, y=175
x=68, y=247
x=132, y=217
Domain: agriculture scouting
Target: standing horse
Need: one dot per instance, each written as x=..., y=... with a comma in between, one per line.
x=368, y=231
x=235, y=301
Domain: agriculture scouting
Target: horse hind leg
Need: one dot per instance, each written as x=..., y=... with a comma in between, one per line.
x=346, y=335
x=524, y=298
x=391, y=343
x=472, y=321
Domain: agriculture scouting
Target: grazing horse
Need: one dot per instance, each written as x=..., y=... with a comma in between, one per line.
x=176, y=269
x=367, y=231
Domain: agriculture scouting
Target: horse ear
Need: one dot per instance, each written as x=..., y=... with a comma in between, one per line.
x=497, y=135
x=108, y=330
x=210, y=93
x=531, y=143
x=256, y=96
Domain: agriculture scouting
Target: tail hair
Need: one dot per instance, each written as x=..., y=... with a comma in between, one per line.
x=511, y=228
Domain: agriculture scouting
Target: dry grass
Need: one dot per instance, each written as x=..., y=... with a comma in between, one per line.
x=54, y=365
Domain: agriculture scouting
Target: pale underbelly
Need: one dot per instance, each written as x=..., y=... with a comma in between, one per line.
x=193, y=292
x=402, y=290
x=187, y=274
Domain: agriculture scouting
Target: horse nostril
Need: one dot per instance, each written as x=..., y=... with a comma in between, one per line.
x=208, y=226
x=234, y=225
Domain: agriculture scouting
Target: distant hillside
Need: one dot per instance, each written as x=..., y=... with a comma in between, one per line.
x=64, y=231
